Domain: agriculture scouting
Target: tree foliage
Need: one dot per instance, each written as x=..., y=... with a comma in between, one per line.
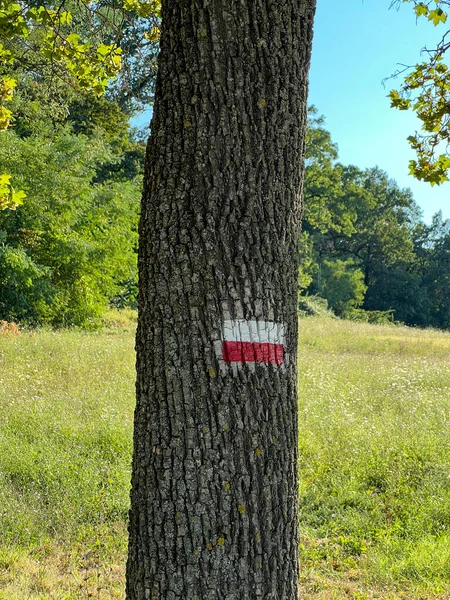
x=364, y=244
x=81, y=45
x=70, y=249
x=426, y=91
x=343, y=285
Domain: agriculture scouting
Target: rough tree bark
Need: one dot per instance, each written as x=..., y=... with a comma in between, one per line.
x=214, y=485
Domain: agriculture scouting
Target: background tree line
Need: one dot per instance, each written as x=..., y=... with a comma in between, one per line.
x=364, y=246
x=69, y=251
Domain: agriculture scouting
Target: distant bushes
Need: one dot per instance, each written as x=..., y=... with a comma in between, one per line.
x=315, y=306
x=379, y=317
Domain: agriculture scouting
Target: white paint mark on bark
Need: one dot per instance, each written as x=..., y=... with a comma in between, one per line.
x=263, y=332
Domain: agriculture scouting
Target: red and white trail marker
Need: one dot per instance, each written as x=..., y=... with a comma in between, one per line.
x=253, y=342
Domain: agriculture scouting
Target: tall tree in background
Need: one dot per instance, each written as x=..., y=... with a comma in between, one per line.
x=214, y=486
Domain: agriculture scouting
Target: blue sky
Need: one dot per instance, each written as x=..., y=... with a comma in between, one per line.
x=357, y=43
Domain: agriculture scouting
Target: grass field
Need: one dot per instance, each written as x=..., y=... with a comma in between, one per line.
x=374, y=458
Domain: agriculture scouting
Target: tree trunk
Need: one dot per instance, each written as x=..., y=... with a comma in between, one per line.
x=214, y=486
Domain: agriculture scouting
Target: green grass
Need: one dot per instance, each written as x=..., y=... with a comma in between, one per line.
x=65, y=449
x=374, y=457
x=375, y=461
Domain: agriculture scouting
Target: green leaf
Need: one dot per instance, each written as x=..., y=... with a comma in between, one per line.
x=5, y=179
x=421, y=10
x=65, y=18
x=73, y=39
x=103, y=50
x=437, y=16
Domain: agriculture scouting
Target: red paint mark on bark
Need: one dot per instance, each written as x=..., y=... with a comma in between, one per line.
x=243, y=352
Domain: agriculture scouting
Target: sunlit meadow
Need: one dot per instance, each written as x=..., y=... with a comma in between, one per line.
x=374, y=461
